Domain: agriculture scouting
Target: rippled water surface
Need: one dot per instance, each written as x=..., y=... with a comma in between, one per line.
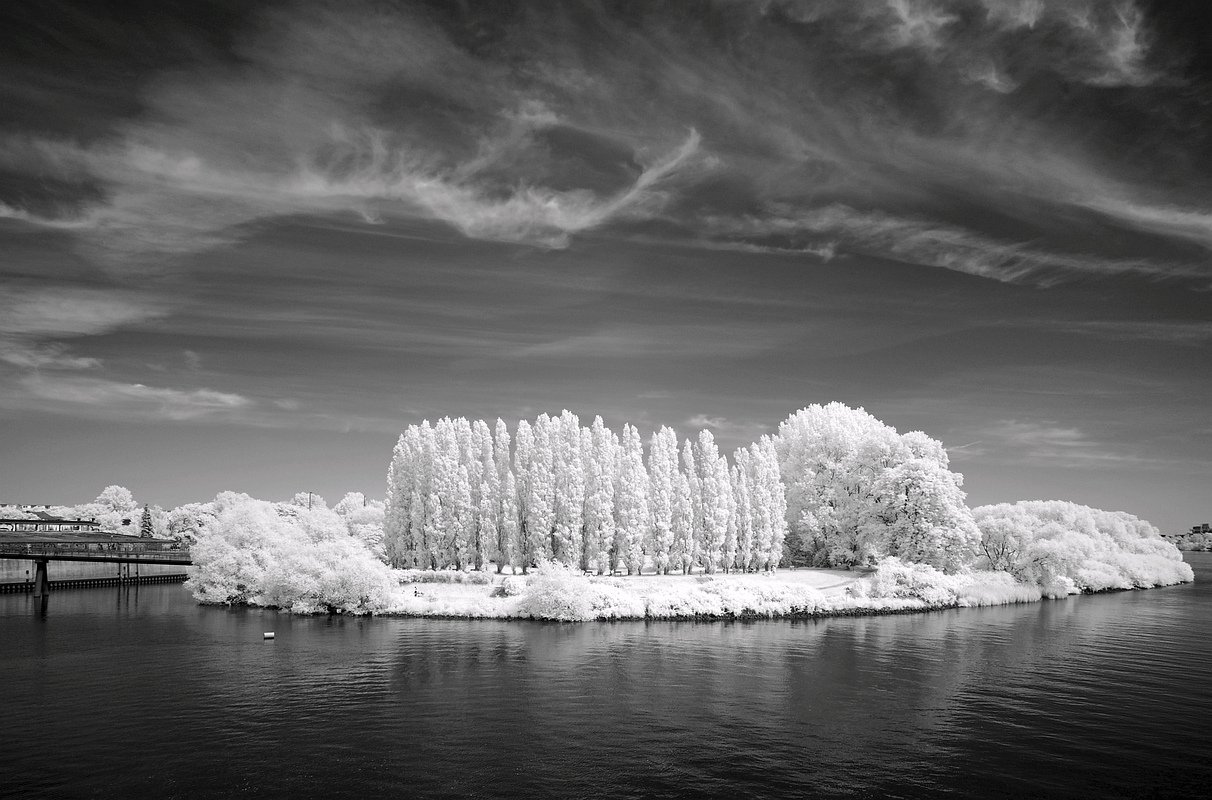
x=140, y=692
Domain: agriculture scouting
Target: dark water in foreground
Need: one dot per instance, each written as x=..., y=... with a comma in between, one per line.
x=140, y=693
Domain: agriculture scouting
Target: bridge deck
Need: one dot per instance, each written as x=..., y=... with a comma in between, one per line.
x=81, y=546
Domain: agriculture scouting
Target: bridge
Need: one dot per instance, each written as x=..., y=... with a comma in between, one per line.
x=53, y=546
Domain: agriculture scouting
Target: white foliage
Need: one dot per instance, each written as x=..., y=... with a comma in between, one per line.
x=663, y=497
x=364, y=520
x=186, y=522
x=557, y=592
x=282, y=555
x=567, y=536
x=632, y=509
x=856, y=491
x=118, y=499
x=599, y=455
x=681, y=553
x=919, y=515
x=506, y=507
x=442, y=576
x=115, y=509
x=835, y=487
x=539, y=516
x=743, y=517
x=1066, y=548
x=714, y=503
x=1194, y=541
x=937, y=589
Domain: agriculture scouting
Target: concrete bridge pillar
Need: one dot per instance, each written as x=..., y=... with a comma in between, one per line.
x=41, y=581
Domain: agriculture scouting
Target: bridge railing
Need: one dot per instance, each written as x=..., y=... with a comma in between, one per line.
x=153, y=550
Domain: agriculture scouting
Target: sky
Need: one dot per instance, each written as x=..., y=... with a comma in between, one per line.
x=244, y=245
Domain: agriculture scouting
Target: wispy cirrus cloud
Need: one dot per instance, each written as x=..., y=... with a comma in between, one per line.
x=70, y=311
x=705, y=421
x=1044, y=443
x=1181, y=332
x=825, y=232
x=111, y=399
x=176, y=203
x=1105, y=43
x=493, y=162
x=1194, y=225
x=530, y=214
x=39, y=324
x=639, y=342
x=876, y=127
x=37, y=321
x=34, y=356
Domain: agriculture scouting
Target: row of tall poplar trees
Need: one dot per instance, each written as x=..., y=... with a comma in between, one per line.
x=463, y=495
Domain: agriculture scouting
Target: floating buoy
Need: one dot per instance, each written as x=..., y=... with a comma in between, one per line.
x=269, y=634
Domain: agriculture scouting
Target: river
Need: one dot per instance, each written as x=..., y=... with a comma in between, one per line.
x=138, y=691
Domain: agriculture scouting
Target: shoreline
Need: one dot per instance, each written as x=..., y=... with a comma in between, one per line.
x=855, y=611
x=566, y=596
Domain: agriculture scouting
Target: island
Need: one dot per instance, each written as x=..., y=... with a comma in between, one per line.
x=836, y=513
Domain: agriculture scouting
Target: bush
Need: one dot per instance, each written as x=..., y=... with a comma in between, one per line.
x=935, y=589
x=1067, y=548
x=557, y=592
x=513, y=586
x=443, y=576
x=284, y=556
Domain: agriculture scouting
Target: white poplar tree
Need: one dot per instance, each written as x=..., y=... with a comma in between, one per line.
x=509, y=543
x=743, y=516
x=488, y=496
x=567, y=544
x=540, y=495
x=522, y=457
x=681, y=552
x=662, y=483
x=769, y=503
x=632, y=512
x=425, y=511
x=714, y=506
x=692, y=548
x=451, y=494
x=732, y=531
x=398, y=513
x=599, y=456
x=408, y=486
x=506, y=508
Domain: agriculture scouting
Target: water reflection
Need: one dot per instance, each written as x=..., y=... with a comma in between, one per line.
x=1091, y=696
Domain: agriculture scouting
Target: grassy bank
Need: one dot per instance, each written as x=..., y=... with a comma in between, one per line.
x=555, y=593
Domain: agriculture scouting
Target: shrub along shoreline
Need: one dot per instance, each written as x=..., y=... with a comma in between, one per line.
x=560, y=594
x=556, y=593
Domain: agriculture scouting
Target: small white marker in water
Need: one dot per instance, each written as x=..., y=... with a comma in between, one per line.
x=269, y=634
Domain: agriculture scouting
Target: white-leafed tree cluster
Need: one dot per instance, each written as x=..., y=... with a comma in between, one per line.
x=1067, y=548
x=298, y=555
x=858, y=491
x=462, y=495
x=834, y=487
x=1194, y=541
x=116, y=510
